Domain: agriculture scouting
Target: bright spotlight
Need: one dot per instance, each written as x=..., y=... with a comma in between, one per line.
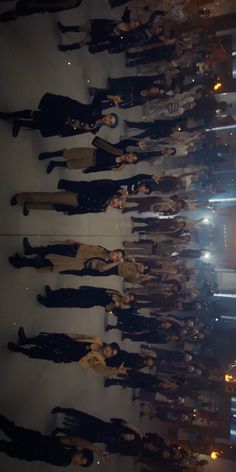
x=206, y=221
x=206, y=255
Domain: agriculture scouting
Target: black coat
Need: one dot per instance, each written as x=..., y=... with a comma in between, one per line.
x=95, y=188
x=55, y=110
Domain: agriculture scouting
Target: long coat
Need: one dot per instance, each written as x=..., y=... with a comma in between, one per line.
x=58, y=115
x=84, y=253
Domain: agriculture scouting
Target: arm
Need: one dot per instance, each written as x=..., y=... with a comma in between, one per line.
x=82, y=443
x=133, y=428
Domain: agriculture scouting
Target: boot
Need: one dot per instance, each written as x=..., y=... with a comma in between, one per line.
x=22, y=339
x=67, y=29
x=16, y=128
x=68, y=47
x=54, y=164
x=16, y=261
x=8, y=16
x=27, y=247
x=49, y=155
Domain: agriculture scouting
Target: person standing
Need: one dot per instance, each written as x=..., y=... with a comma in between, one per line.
x=103, y=34
x=90, y=352
x=61, y=256
x=30, y=7
x=62, y=116
x=85, y=297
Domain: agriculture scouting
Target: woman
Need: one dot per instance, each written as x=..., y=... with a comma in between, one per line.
x=85, y=297
x=90, y=352
x=62, y=116
x=147, y=382
x=117, y=434
x=163, y=206
x=131, y=97
x=61, y=256
x=103, y=156
x=89, y=199
x=103, y=34
x=29, y=7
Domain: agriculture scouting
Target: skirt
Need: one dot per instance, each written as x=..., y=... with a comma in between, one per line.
x=79, y=158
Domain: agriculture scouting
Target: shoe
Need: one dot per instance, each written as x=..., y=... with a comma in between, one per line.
x=50, y=167
x=27, y=247
x=13, y=347
x=61, y=27
x=15, y=128
x=47, y=289
x=41, y=300
x=55, y=410
x=26, y=211
x=62, y=47
x=4, y=116
x=44, y=155
x=107, y=383
x=13, y=201
x=108, y=328
x=15, y=261
x=22, y=339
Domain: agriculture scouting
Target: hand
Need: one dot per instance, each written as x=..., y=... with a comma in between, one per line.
x=105, y=456
x=122, y=369
x=142, y=144
x=142, y=435
x=117, y=100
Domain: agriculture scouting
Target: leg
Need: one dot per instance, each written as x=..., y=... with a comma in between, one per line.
x=37, y=262
x=37, y=200
x=17, y=114
x=54, y=164
x=49, y=155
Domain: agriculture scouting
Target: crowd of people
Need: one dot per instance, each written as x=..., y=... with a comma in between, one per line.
x=170, y=44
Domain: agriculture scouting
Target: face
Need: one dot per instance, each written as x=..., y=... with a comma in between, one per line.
x=149, y=362
x=109, y=352
x=188, y=357
x=116, y=202
x=131, y=158
x=116, y=256
x=109, y=120
x=128, y=298
x=134, y=24
x=128, y=437
x=142, y=188
x=79, y=459
x=168, y=151
x=154, y=90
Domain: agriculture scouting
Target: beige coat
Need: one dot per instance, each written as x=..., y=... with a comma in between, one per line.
x=95, y=359
x=85, y=252
x=128, y=270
